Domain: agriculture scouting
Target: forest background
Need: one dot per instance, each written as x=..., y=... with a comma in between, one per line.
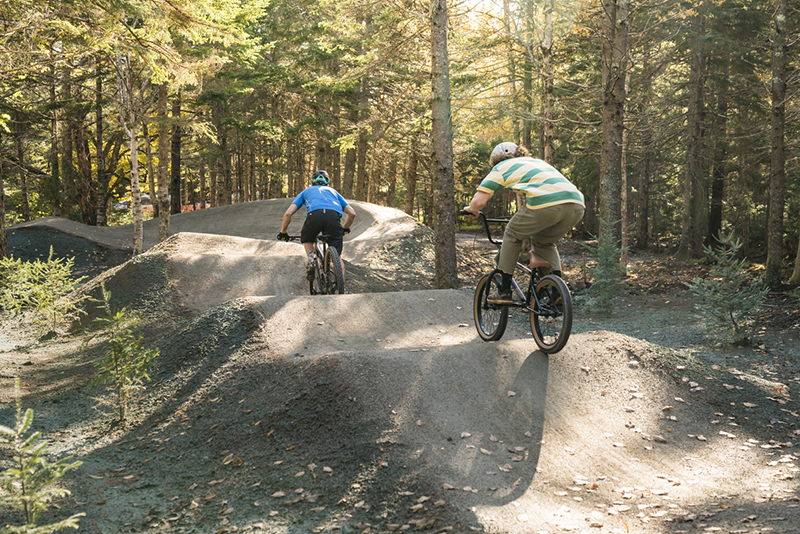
x=678, y=119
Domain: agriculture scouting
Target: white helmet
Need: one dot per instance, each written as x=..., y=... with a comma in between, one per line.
x=501, y=152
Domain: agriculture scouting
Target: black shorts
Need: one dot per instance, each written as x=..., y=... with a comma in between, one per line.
x=326, y=222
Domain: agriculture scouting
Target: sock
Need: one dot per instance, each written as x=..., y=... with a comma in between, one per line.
x=505, y=285
x=556, y=272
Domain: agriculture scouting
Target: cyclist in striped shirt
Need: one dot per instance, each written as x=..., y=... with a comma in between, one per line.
x=553, y=206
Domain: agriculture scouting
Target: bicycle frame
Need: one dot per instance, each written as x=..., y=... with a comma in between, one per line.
x=525, y=297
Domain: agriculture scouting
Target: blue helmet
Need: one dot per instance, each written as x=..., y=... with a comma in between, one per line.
x=320, y=178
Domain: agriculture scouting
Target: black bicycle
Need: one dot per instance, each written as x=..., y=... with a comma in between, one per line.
x=547, y=300
x=328, y=274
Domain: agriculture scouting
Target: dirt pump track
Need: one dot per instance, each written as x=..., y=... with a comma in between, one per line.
x=381, y=410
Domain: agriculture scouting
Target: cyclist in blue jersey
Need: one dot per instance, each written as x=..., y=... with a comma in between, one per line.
x=324, y=209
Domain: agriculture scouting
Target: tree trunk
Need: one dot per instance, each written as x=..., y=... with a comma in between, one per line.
x=67, y=166
x=19, y=132
x=778, y=155
x=442, y=138
x=202, y=180
x=175, y=159
x=548, y=96
x=720, y=165
x=126, y=109
x=692, y=220
x=614, y=59
x=163, y=164
x=102, y=175
x=151, y=173
x=411, y=177
x=391, y=178
x=3, y=238
x=512, y=64
x=53, y=187
x=348, y=178
x=361, y=181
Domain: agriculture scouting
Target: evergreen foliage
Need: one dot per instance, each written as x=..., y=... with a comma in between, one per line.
x=607, y=272
x=44, y=288
x=730, y=297
x=30, y=481
x=126, y=362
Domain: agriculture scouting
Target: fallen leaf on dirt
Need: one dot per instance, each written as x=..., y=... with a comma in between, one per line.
x=465, y=435
x=420, y=423
x=749, y=405
x=301, y=473
x=215, y=482
x=417, y=508
x=448, y=486
x=512, y=393
x=272, y=513
x=484, y=451
x=278, y=494
x=494, y=439
x=327, y=469
x=318, y=509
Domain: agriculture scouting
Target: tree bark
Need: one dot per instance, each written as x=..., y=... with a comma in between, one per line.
x=128, y=119
x=19, y=133
x=102, y=175
x=175, y=158
x=548, y=96
x=692, y=222
x=614, y=59
x=391, y=177
x=361, y=181
x=53, y=188
x=411, y=177
x=3, y=237
x=442, y=176
x=778, y=155
x=163, y=164
x=151, y=173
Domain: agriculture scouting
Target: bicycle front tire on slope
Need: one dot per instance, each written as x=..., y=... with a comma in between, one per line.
x=490, y=319
x=551, y=322
x=333, y=272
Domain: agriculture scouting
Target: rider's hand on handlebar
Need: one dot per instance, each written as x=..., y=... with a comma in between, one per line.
x=346, y=230
x=283, y=236
x=467, y=211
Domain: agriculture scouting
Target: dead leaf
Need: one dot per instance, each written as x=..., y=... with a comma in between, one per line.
x=278, y=494
x=484, y=451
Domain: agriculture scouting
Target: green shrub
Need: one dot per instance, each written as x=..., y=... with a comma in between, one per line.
x=608, y=271
x=730, y=297
x=43, y=288
x=30, y=483
x=126, y=361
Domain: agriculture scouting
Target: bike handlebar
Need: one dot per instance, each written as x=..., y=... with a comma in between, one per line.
x=486, y=225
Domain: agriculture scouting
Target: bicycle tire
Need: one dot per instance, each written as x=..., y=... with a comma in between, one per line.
x=317, y=286
x=490, y=319
x=551, y=323
x=333, y=272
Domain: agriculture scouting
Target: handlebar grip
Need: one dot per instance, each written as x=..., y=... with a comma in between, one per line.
x=464, y=212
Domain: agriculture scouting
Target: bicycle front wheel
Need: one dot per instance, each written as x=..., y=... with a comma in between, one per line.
x=551, y=321
x=333, y=272
x=490, y=319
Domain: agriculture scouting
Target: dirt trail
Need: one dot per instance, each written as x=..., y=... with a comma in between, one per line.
x=273, y=411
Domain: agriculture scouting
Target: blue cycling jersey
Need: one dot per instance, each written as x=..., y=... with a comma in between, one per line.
x=319, y=197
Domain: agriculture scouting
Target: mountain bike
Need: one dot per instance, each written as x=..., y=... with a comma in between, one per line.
x=328, y=274
x=546, y=299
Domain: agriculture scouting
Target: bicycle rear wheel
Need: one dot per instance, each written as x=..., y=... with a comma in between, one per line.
x=333, y=272
x=551, y=322
x=317, y=285
x=490, y=319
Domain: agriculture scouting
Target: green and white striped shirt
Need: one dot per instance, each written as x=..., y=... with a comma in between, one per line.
x=541, y=183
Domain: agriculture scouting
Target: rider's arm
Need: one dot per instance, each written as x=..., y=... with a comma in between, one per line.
x=478, y=203
x=349, y=215
x=287, y=217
